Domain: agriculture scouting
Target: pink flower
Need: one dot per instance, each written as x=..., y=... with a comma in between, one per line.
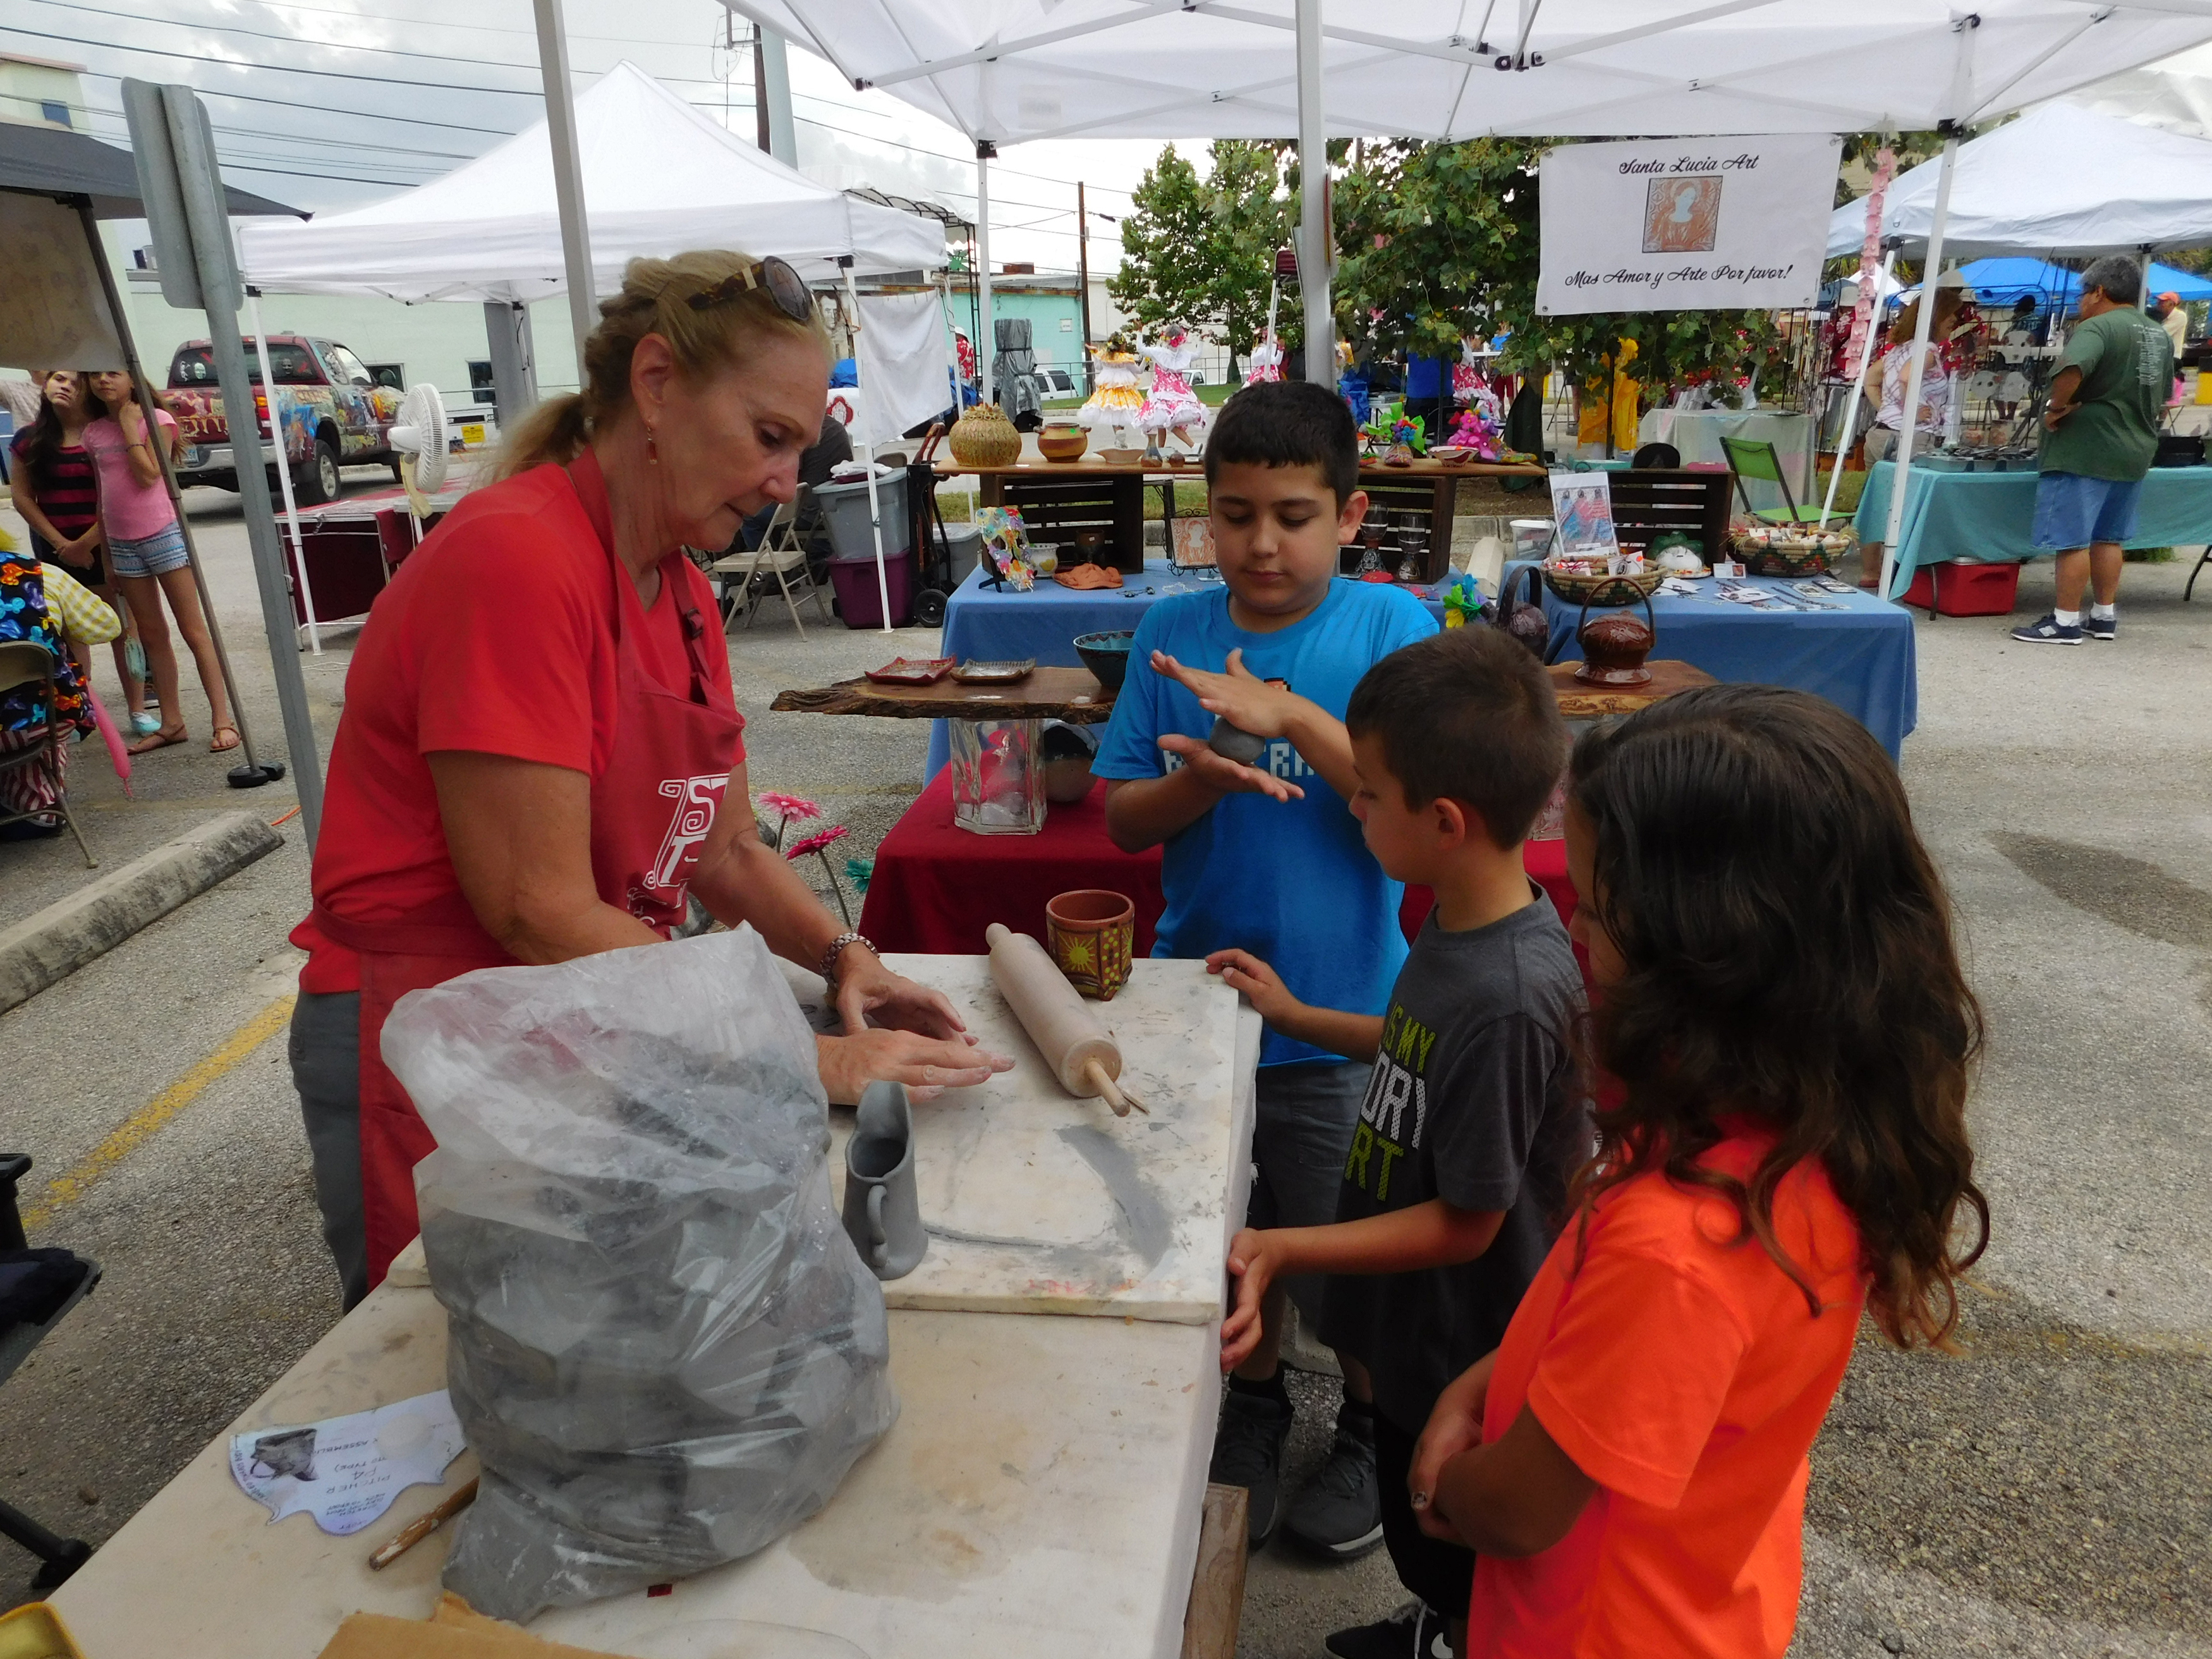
x=792, y=806
x=816, y=843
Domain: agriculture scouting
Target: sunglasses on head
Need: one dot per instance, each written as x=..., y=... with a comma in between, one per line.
x=785, y=286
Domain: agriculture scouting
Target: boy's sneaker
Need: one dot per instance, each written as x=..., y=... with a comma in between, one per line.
x=1340, y=1514
x=2048, y=631
x=1416, y=1631
x=2101, y=628
x=1248, y=1452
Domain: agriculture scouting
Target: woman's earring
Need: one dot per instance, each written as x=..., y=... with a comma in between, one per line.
x=652, y=446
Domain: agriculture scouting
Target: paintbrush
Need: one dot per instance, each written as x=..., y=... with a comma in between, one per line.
x=422, y=1527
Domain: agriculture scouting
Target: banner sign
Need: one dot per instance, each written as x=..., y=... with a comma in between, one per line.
x=1685, y=224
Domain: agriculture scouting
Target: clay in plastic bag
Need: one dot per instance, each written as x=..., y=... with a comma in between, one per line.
x=663, y=1347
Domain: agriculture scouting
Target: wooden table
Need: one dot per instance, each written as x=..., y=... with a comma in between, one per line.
x=1058, y=500
x=1047, y=694
x=1581, y=700
x=1043, y=1490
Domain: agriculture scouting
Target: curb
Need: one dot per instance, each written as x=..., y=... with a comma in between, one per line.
x=61, y=939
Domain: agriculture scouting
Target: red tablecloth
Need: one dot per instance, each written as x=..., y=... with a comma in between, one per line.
x=936, y=888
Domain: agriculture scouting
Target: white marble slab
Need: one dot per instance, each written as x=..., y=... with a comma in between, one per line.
x=1040, y=1494
x=1039, y=1202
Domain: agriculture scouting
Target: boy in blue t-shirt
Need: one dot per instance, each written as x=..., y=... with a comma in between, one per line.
x=1268, y=859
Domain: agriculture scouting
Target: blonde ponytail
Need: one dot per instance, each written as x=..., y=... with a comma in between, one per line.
x=655, y=299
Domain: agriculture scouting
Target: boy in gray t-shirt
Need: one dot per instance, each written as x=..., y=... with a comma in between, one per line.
x=1476, y=1115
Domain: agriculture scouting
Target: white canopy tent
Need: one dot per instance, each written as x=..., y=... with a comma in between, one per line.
x=1004, y=70
x=2059, y=180
x=2176, y=94
x=659, y=177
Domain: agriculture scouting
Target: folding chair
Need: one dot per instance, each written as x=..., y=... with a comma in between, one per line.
x=58, y=1557
x=1750, y=458
x=781, y=553
x=26, y=662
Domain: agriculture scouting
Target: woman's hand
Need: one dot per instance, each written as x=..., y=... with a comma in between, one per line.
x=927, y=1065
x=1454, y=1426
x=866, y=987
x=1262, y=986
x=78, y=549
x=1255, y=1259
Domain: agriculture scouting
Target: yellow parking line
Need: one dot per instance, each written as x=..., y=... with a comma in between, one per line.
x=134, y=1131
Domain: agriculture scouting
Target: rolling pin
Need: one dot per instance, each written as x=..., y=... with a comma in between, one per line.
x=1075, y=1047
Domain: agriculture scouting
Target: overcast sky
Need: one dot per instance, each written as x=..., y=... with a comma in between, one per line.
x=395, y=99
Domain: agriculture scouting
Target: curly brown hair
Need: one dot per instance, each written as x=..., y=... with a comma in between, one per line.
x=1786, y=953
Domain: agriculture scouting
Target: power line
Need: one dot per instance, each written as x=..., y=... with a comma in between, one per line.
x=325, y=109
x=437, y=23
x=305, y=137
x=274, y=69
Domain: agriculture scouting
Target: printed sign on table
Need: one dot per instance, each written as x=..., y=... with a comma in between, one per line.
x=1685, y=224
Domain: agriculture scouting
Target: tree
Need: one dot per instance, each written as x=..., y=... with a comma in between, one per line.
x=1202, y=252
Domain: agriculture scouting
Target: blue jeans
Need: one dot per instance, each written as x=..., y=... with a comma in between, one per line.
x=2072, y=512
x=1302, y=1120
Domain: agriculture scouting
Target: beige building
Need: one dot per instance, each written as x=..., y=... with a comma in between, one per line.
x=41, y=92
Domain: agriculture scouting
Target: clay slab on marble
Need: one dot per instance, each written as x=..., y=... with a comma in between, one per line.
x=1039, y=1202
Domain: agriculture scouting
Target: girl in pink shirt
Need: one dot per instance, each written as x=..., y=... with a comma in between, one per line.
x=147, y=555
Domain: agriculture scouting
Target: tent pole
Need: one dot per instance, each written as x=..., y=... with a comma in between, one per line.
x=867, y=449
x=1930, y=270
x=283, y=469
x=567, y=173
x=1859, y=391
x=2143, y=289
x=169, y=480
x=988, y=345
x=1315, y=238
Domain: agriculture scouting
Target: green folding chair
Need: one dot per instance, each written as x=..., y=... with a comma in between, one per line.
x=1751, y=457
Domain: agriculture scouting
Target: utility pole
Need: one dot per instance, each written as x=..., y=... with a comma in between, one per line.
x=1082, y=270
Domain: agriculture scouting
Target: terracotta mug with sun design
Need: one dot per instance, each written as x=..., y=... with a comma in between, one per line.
x=1092, y=934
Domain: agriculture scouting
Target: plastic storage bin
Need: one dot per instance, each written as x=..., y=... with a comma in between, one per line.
x=1958, y=588
x=853, y=581
x=845, y=513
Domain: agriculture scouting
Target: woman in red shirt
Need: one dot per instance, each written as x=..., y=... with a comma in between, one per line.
x=1781, y=1001
x=539, y=736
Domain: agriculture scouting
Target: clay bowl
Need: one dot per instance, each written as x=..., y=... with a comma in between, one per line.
x=1122, y=457
x=1614, y=646
x=1063, y=443
x=1107, y=656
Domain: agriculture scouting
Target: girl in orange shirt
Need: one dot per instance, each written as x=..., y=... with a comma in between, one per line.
x=1781, y=1003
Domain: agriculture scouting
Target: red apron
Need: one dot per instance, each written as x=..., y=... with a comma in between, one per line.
x=651, y=812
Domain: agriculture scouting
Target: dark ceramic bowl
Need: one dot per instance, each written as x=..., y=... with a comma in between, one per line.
x=1106, y=655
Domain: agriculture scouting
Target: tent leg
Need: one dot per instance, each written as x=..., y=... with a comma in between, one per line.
x=568, y=172
x=283, y=469
x=1929, y=270
x=867, y=449
x=1316, y=242
x=1859, y=391
x=985, y=346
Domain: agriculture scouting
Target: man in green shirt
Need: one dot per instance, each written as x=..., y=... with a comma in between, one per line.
x=2101, y=432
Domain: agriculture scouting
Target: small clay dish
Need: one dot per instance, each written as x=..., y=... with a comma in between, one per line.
x=911, y=670
x=993, y=673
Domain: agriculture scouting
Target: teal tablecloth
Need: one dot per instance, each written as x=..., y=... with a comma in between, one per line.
x=1988, y=518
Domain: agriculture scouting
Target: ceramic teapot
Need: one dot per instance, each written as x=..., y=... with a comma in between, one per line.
x=1615, y=646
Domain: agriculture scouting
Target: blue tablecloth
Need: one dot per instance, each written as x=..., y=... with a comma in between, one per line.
x=1859, y=657
x=1988, y=518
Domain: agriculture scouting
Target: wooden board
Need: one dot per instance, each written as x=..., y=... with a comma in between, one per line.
x=1580, y=700
x=1649, y=503
x=1217, y=1585
x=1048, y=694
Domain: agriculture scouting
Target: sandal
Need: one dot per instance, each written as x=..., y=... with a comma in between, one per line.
x=162, y=738
x=217, y=746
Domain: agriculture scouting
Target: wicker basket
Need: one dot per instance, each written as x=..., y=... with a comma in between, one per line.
x=1603, y=590
x=985, y=437
x=1792, y=555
